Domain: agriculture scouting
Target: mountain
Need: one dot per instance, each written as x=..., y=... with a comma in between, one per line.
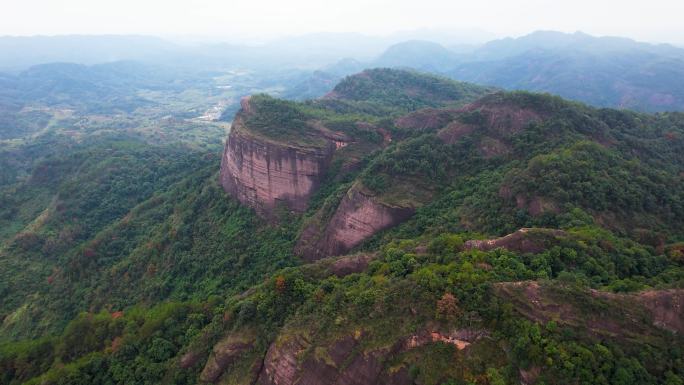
x=578, y=41
x=602, y=71
x=422, y=55
x=310, y=51
x=22, y=52
x=605, y=72
x=403, y=229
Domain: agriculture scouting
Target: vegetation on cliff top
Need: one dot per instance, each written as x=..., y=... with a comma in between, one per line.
x=405, y=91
x=373, y=96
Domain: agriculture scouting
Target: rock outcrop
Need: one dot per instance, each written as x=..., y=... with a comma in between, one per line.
x=265, y=174
x=225, y=353
x=427, y=119
x=281, y=364
x=666, y=308
x=525, y=240
x=350, y=264
x=461, y=338
x=624, y=315
x=359, y=216
x=295, y=361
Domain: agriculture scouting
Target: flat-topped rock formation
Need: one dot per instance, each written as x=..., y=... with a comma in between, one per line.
x=266, y=174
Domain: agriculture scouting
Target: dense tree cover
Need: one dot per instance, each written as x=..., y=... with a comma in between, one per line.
x=371, y=96
x=166, y=233
x=125, y=263
x=103, y=348
x=405, y=90
x=400, y=292
x=624, y=172
x=277, y=117
x=383, y=92
x=78, y=193
x=425, y=157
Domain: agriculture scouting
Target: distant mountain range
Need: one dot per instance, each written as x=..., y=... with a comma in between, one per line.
x=306, y=51
x=19, y=53
x=602, y=71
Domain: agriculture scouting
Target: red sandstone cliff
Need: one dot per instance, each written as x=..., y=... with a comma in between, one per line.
x=265, y=174
x=297, y=359
x=358, y=217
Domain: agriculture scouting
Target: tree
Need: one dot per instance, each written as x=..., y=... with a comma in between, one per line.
x=447, y=307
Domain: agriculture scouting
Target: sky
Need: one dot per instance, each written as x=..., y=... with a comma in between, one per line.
x=653, y=20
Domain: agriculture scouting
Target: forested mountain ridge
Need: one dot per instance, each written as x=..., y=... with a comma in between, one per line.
x=601, y=71
x=174, y=281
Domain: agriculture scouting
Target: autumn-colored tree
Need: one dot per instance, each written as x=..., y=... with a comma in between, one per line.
x=280, y=284
x=447, y=307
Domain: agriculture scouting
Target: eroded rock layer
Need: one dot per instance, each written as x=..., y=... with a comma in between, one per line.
x=264, y=174
x=358, y=217
x=525, y=240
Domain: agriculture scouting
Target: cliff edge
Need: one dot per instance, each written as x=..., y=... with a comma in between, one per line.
x=265, y=173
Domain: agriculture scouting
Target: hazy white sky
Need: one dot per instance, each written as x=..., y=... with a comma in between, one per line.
x=652, y=20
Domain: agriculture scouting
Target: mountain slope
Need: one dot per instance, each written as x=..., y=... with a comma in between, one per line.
x=530, y=240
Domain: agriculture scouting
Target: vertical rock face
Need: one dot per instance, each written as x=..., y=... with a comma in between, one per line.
x=288, y=364
x=264, y=174
x=281, y=364
x=358, y=217
x=224, y=354
x=667, y=308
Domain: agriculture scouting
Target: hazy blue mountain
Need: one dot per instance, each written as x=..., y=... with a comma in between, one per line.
x=21, y=52
x=311, y=86
x=603, y=71
x=422, y=55
x=562, y=42
x=345, y=67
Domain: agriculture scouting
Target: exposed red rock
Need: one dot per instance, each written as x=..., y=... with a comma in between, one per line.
x=116, y=344
x=224, y=354
x=294, y=361
x=500, y=120
x=525, y=240
x=358, y=217
x=350, y=264
x=427, y=119
x=529, y=376
x=461, y=338
x=492, y=147
x=504, y=118
x=676, y=252
x=623, y=317
x=281, y=362
x=666, y=307
x=340, y=266
x=265, y=174
x=117, y=314
x=189, y=359
x=455, y=131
